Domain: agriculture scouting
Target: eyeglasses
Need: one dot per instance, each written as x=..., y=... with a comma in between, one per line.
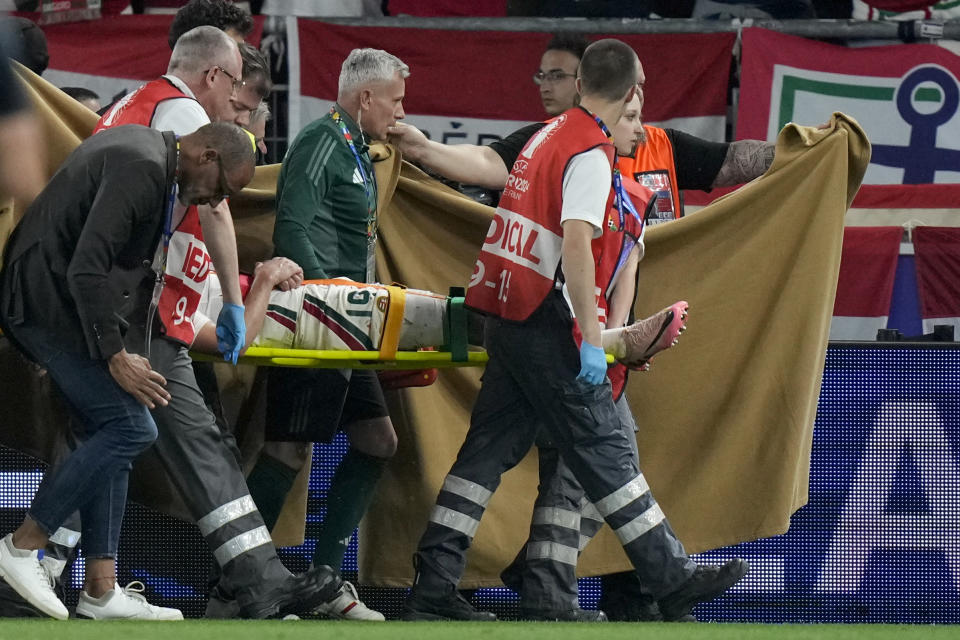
x=236, y=82
x=552, y=76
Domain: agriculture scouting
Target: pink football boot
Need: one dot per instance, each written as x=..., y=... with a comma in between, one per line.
x=652, y=335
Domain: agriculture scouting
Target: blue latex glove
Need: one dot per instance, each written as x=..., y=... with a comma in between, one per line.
x=231, y=331
x=593, y=363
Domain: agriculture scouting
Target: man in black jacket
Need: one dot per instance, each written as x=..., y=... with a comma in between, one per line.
x=105, y=209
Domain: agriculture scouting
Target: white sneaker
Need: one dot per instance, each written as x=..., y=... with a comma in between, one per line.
x=123, y=604
x=347, y=606
x=22, y=571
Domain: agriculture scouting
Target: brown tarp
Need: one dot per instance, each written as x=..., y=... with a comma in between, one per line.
x=31, y=414
x=725, y=418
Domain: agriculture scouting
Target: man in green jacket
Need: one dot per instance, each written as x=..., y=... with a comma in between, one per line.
x=327, y=223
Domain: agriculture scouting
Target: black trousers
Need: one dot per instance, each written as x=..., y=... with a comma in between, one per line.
x=202, y=463
x=530, y=380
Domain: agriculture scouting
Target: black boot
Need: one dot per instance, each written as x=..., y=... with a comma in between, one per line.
x=625, y=600
x=297, y=595
x=221, y=605
x=441, y=605
x=706, y=583
x=434, y=598
x=13, y=605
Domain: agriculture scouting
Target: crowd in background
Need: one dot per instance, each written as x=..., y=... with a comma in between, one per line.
x=700, y=9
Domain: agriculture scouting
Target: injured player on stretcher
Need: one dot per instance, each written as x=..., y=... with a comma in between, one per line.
x=284, y=311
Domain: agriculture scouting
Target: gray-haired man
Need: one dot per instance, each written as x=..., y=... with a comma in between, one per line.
x=327, y=223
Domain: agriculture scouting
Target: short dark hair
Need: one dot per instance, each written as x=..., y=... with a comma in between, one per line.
x=80, y=93
x=574, y=43
x=234, y=144
x=222, y=14
x=608, y=69
x=256, y=71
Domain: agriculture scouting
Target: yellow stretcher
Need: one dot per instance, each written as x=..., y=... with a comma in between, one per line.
x=343, y=359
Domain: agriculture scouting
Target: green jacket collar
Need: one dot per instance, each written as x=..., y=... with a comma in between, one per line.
x=359, y=138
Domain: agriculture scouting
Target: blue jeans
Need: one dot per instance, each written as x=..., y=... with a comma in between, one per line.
x=113, y=429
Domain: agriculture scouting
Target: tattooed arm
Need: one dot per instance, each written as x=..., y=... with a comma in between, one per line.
x=745, y=160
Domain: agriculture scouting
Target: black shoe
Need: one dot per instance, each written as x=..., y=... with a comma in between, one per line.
x=447, y=605
x=562, y=615
x=625, y=600
x=706, y=583
x=221, y=606
x=297, y=595
x=641, y=610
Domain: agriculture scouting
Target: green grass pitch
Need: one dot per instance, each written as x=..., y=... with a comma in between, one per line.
x=327, y=630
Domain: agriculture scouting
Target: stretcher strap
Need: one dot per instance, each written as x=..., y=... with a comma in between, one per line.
x=393, y=324
x=457, y=326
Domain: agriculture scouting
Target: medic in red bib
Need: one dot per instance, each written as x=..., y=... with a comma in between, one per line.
x=188, y=261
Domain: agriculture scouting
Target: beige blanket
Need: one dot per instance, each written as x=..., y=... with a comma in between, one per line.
x=725, y=417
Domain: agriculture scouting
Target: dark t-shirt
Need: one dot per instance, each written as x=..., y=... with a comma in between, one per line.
x=697, y=161
x=510, y=147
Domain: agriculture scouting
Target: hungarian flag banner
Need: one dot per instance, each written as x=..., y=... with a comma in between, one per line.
x=113, y=55
x=865, y=285
x=906, y=98
x=477, y=86
x=937, y=258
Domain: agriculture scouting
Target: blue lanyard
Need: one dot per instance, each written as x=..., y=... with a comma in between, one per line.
x=622, y=198
x=371, y=229
x=167, y=234
x=623, y=201
x=602, y=126
x=168, y=217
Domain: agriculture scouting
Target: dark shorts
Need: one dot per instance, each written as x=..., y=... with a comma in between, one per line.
x=311, y=405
